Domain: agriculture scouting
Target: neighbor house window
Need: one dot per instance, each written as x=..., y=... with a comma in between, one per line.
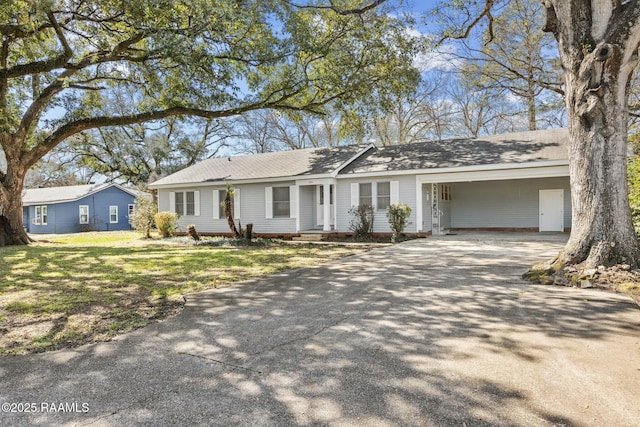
x=113, y=214
x=130, y=209
x=84, y=214
x=281, y=202
x=366, y=197
x=221, y=206
x=384, y=195
x=40, y=216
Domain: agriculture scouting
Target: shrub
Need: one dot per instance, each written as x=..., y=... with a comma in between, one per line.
x=142, y=218
x=166, y=223
x=362, y=222
x=398, y=215
x=633, y=176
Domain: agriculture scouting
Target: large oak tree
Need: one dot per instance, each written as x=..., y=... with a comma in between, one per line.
x=598, y=44
x=62, y=60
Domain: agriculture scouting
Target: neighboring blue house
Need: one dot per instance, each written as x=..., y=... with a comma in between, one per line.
x=99, y=207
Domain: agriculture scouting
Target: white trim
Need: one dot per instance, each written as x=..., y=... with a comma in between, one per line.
x=196, y=203
x=419, y=207
x=236, y=203
x=80, y=214
x=355, y=194
x=172, y=201
x=316, y=181
x=293, y=201
x=478, y=168
x=310, y=180
x=352, y=159
x=495, y=175
x=394, y=189
x=279, y=180
x=216, y=204
x=37, y=215
x=268, y=202
x=110, y=221
x=326, y=208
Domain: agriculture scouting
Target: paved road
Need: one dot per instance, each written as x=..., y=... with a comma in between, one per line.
x=430, y=332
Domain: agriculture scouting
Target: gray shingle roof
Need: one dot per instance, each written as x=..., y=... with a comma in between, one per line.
x=520, y=147
x=69, y=193
x=512, y=148
x=295, y=163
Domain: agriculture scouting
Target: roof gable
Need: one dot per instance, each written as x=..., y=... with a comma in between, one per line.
x=523, y=147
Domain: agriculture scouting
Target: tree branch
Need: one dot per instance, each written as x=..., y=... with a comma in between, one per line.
x=485, y=13
x=339, y=11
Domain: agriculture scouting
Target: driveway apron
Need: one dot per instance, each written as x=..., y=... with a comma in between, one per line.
x=435, y=332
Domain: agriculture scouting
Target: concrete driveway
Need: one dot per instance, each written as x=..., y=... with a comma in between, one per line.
x=436, y=331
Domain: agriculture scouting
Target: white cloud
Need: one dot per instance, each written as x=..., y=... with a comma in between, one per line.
x=442, y=58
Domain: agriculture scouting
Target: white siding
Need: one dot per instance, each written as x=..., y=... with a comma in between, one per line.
x=503, y=203
x=346, y=188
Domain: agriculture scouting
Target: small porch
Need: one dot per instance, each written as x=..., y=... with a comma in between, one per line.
x=316, y=207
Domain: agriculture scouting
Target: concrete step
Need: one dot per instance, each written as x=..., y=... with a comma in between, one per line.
x=310, y=237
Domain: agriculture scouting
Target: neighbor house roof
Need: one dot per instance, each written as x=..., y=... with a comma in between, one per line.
x=52, y=195
x=294, y=163
x=522, y=147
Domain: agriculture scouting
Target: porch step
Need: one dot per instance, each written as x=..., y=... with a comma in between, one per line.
x=308, y=237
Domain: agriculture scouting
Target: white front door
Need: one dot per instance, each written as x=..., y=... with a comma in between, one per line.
x=320, y=204
x=551, y=210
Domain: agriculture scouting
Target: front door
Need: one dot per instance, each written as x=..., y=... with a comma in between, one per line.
x=320, y=205
x=551, y=210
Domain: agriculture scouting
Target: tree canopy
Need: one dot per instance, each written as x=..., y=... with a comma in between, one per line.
x=61, y=61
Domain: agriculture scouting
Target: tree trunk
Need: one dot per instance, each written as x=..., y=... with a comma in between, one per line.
x=12, y=231
x=598, y=42
x=602, y=231
x=229, y=214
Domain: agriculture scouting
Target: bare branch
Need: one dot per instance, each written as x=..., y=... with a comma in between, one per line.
x=485, y=13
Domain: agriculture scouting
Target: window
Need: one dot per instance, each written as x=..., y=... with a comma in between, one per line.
x=185, y=202
x=191, y=203
x=130, y=209
x=322, y=194
x=384, y=195
x=445, y=192
x=113, y=214
x=40, y=215
x=180, y=203
x=221, y=205
x=84, y=214
x=281, y=202
x=366, y=197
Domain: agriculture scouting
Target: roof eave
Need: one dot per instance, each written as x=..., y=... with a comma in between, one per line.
x=426, y=171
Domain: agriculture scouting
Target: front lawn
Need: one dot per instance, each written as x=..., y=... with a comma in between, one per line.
x=68, y=290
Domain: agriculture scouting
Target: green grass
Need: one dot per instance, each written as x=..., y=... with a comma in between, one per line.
x=68, y=290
